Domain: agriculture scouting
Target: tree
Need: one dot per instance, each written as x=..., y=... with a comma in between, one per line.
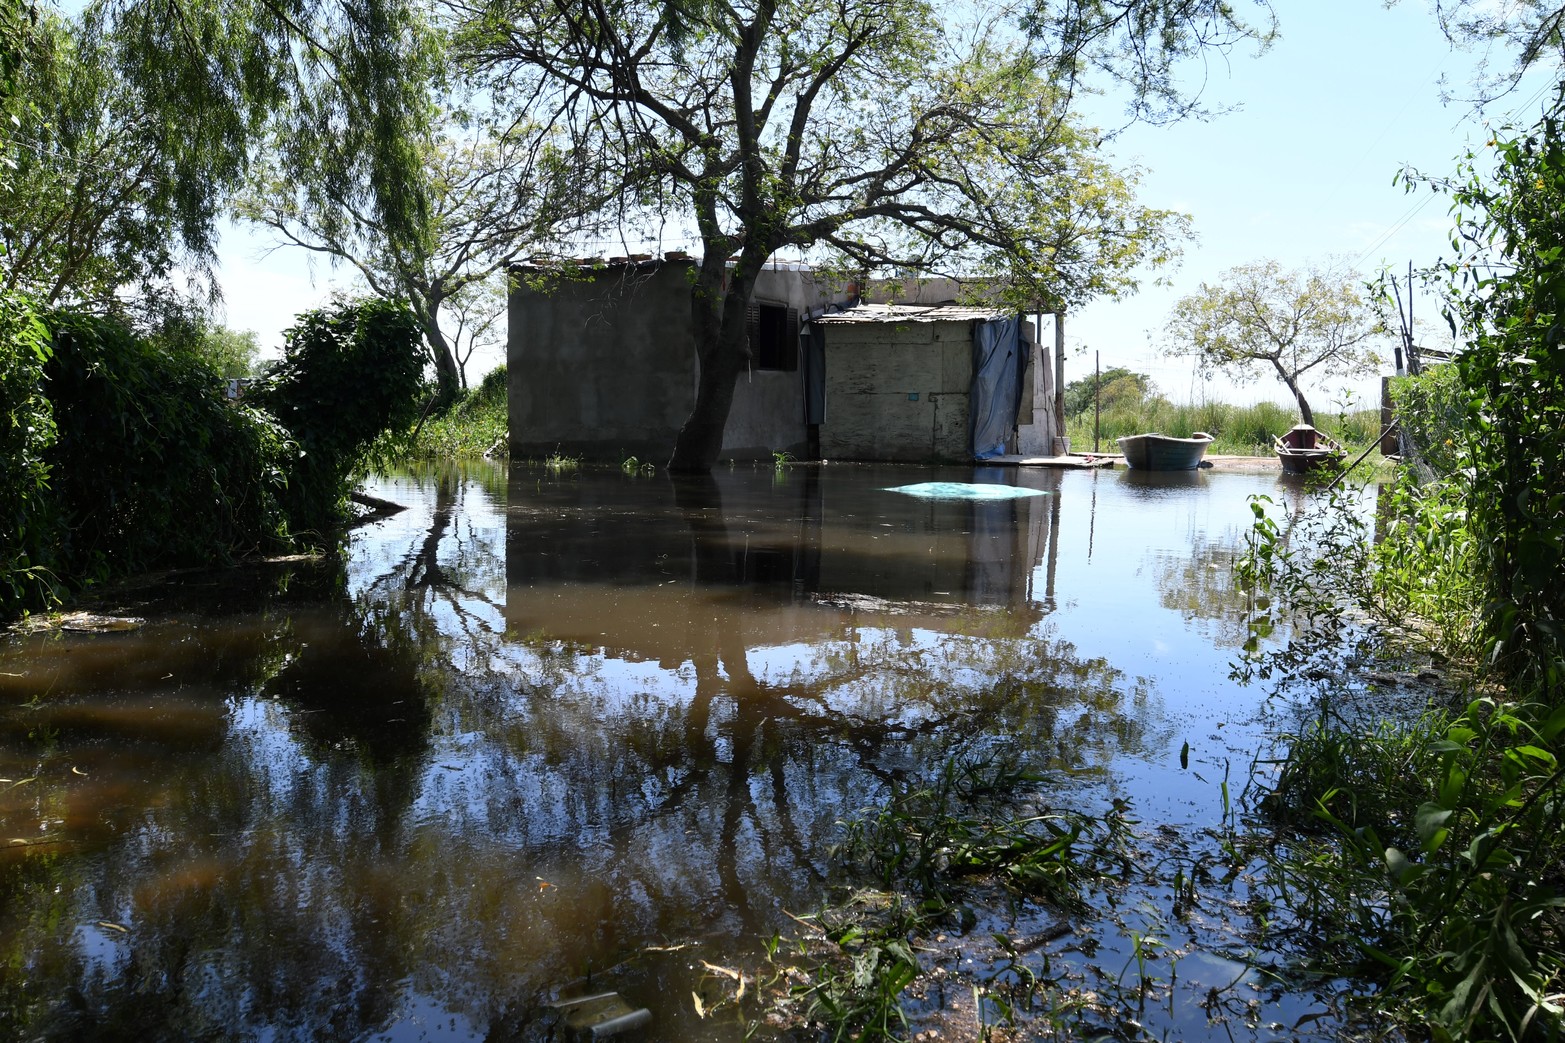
x=128, y=126
x=231, y=353
x=1291, y=323
x=1113, y=387
x=90, y=203
x=879, y=133
x=494, y=190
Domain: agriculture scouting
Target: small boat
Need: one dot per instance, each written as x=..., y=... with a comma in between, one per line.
x=1304, y=449
x=1155, y=452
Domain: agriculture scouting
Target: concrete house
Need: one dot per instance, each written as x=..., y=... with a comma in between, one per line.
x=602, y=361
x=602, y=364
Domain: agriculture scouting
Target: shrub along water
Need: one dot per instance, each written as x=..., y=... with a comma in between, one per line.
x=152, y=467
x=27, y=578
x=349, y=372
x=1423, y=855
x=473, y=426
x=122, y=454
x=1429, y=856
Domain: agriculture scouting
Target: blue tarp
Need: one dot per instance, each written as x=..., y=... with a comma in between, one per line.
x=999, y=364
x=964, y=491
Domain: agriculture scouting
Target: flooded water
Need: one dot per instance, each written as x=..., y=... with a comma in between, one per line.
x=542, y=735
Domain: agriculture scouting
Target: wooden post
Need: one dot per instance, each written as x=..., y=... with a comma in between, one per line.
x=1059, y=368
x=1097, y=399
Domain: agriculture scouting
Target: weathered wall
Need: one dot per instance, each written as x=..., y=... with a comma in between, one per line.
x=898, y=391
x=601, y=364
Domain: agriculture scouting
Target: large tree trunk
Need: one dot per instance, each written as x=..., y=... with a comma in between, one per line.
x=426, y=308
x=722, y=351
x=1305, y=413
x=447, y=376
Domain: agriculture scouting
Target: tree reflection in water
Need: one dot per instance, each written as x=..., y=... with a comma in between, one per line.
x=524, y=734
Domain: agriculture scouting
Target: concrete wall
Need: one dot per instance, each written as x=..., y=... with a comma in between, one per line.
x=898, y=391
x=599, y=361
x=601, y=364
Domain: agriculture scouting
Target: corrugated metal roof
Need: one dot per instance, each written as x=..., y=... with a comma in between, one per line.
x=911, y=313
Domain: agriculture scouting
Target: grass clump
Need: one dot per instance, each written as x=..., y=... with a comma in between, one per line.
x=1237, y=430
x=474, y=426
x=917, y=865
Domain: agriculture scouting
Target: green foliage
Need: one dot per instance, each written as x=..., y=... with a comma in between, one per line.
x=1114, y=388
x=91, y=203
x=349, y=372
x=1431, y=409
x=231, y=353
x=473, y=426
x=1507, y=290
x=152, y=468
x=1426, y=565
x=1421, y=854
x=27, y=433
x=1444, y=883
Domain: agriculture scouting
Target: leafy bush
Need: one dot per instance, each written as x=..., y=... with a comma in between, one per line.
x=1508, y=290
x=152, y=467
x=349, y=372
x=1432, y=411
x=474, y=424
x=26, y=434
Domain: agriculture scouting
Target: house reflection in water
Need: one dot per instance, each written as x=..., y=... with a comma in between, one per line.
x=642, y=568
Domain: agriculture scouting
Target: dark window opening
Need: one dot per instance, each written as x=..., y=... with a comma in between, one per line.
x=774, y=336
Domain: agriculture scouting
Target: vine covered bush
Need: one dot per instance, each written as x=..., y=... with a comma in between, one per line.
x=1508, y=291
x=26, y=434
x=349, y=372
x=152, y=467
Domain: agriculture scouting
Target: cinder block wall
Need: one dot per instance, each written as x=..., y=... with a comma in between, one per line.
x=898, y=391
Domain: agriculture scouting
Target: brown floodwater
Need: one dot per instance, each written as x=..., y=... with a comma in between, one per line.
x=543, y=735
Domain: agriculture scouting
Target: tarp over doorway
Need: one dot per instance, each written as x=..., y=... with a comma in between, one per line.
x=999, y=366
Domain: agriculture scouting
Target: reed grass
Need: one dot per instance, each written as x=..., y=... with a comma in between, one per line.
x=1238, y=430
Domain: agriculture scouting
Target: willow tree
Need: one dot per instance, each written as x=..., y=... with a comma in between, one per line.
x=494, y=189
x=135, y=120
x=884, y=133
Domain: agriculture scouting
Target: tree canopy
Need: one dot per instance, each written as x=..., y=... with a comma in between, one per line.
x=1295, y=324
x=496, y=187
x=128, y=126
x=1115, y=386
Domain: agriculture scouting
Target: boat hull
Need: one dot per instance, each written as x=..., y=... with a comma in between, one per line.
x=1305, y=449
x=1155, y=452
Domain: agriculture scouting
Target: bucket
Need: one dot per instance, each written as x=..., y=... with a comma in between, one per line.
x=1062, y=447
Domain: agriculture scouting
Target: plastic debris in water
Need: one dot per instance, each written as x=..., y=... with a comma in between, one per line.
x=964, y=491
x=602, y=1015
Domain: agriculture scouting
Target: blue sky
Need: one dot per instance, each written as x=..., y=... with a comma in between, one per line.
x=1301, y=173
